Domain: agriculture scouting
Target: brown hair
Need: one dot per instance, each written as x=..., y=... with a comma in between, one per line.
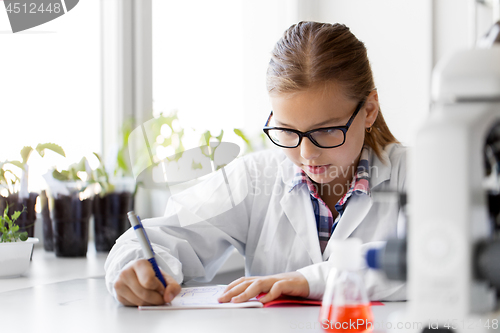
x=310, y=53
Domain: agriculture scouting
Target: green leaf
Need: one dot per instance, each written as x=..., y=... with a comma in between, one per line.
x=62, y=176
x=126, y=130
x=100, y=173
x=23, y=236
x=239, y=133
x=16, y=215
x=50, y=146
x=73, y=173
x=81, y=166
x=220, y=135
x=25, y=153
x=98, y=157
x=13, y=179
x=16, y=178
x=242, y=135
x=18, y=164
x=122, y=164
x=122, y=161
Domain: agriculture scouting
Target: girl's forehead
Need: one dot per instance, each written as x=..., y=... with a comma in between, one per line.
x=324, y=95
x=318, y=101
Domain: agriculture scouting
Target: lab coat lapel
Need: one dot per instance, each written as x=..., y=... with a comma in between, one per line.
x=354, y=213
x=380, y=168
x=298, y=208
x=359, y=205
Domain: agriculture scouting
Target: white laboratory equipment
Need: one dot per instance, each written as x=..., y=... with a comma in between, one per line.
x=451, y=261
x=449, y=200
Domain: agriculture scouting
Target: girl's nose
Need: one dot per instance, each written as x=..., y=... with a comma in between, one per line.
x=308, y=150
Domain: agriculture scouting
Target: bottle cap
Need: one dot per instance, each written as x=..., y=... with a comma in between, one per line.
x=346, y=254
x=373, y=258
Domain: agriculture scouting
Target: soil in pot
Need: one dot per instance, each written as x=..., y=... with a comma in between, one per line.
x=70, y=225
x=110, y=218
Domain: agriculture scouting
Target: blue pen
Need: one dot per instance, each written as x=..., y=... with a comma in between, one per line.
x=135, y=221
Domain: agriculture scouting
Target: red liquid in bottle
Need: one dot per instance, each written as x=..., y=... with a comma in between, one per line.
x=349, y=319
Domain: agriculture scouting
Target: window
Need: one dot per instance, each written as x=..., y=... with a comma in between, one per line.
x=210, y=60
x=50, y=86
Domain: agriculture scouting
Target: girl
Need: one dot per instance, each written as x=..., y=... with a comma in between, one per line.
x=336, y=150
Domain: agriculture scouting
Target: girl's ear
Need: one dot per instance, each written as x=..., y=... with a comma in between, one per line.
x=371, y=107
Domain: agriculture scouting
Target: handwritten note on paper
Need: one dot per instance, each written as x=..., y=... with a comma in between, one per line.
x=201, y=298
x=198, y=296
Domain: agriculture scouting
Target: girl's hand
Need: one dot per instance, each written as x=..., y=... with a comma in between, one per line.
x=138, y=285
x=241, y=290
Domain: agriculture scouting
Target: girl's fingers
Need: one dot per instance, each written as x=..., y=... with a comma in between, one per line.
x=292, y=283
x=237, y=282
x=138, y=285
x=173, y=288
x=147, y=278
x=278, y=288
x=292, y=287
x=235, y=290
x=128, y=298
x=150, y=296
x=256, y=287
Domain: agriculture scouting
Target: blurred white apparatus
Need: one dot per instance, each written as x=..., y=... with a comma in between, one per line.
x=452, y=259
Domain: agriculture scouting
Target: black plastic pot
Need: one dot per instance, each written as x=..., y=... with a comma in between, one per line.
x=110, y=218
x=494, y=208
x=48, y=241
x=27, y=219
x=70, y=225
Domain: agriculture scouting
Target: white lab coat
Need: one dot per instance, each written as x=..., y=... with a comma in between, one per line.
x=274, y=228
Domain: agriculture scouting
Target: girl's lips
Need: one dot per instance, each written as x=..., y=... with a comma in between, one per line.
x=317, y=169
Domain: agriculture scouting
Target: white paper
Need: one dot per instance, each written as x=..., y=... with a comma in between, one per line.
x=202, y=298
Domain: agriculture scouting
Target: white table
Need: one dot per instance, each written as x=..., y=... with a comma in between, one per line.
x=46, y=268
x=68, y=295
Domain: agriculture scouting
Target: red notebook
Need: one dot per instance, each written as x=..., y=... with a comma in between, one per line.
x=289, y=301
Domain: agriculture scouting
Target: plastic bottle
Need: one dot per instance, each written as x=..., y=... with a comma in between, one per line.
x=345, y=306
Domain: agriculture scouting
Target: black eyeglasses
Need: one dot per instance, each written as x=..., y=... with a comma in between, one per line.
x=326, y=137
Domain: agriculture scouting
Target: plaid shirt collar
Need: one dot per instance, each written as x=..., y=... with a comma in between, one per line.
x=360, y=185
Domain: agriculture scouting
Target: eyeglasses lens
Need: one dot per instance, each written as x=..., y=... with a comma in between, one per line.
x=325, y=138
x=328, y=137
x=284, y=138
